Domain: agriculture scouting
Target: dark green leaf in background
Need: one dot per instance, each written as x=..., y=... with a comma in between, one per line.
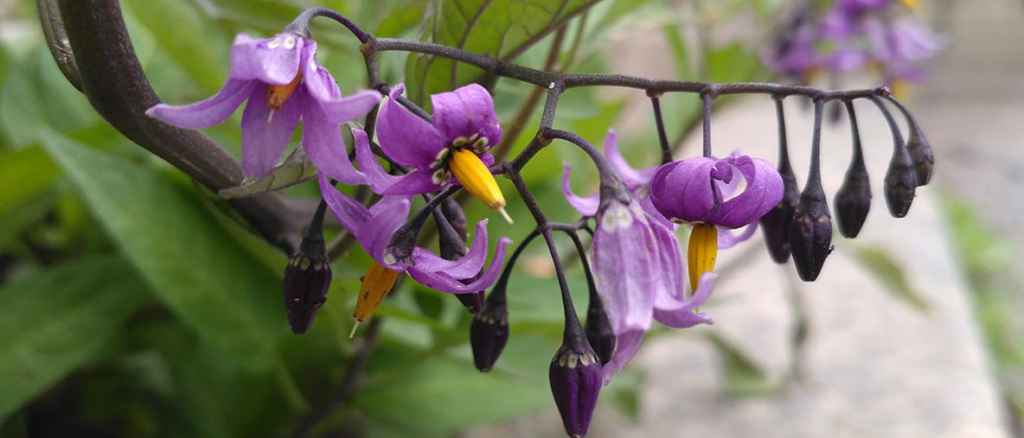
x=56, y=320
x=210, y=282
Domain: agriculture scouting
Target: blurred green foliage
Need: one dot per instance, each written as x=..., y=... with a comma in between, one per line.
x=132, y=305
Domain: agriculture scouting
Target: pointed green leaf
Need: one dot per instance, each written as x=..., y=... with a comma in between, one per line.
x=56, y=320
x=180, y=34
x=208, y=280
x=883, y=266
x=743, y=376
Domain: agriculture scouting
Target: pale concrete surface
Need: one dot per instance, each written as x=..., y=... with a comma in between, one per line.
x=873, y=365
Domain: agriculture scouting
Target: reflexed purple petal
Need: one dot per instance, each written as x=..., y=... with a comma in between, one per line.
x=386, y=217
x=681, y=313
x=586, y=206
x=466, y=111
x=669, y=263
x=445, y=283
x=375, y=176
x=208, y=112
x=350, y=107
x=727, y=239
x=632, y=177
x=317, y=80
x=763, y=192
x=323, y=142
x=626, y=345
x=681, y=190
x=465, y=267
x=404, y=136
x=626, y=266
x=351, y=214
x=269, y=60
x=265, y=135
x=414, y=183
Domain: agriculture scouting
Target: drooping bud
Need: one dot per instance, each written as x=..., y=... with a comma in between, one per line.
x=917, y=144
x=452, y=246
x=599, y=329
x=456, y=217
x=776, y=223
x=921, y=154
x=901, y=178
x=376, y=285
x=575, y=376
x=702, y=252
x=488, y=333
x=810, y=233
x=474, y=176
x=307, y=277
x=306, y=281
x=853, y=200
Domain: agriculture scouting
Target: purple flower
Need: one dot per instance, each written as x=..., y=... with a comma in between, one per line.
x=731, y=192
x=901, y=46
x=451, y=148
x=636, y=261
x=373, y=228
x=283, y=83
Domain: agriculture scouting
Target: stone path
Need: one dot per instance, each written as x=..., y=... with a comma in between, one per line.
x=873, y=366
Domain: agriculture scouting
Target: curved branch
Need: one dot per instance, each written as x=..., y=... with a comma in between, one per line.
x=112, y=78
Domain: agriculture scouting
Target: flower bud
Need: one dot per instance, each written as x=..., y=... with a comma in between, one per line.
x=306, y=281
x=473, y=302
x=921, y=154
x=810, y=233
x=477, y=179
x=900, y=183
x=456, y=217
x=575, y=376
x=488, y=333
x=853, y=201
x=599, y=329
x=776, y=222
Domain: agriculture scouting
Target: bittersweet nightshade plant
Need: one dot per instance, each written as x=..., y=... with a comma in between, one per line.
x=635, y=256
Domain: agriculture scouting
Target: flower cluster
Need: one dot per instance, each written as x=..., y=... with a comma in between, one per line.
x=635, y=268
x=854, y=35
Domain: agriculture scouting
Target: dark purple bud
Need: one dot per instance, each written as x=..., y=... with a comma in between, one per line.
x=901, y=178
x=853, y=200
x=599, y=329
x=456, y=216
x=775, y=224
x=810, y=235
x=488, y=333
x=921, y=154
x=473, y=302
x=575, y=376
x=306, y=281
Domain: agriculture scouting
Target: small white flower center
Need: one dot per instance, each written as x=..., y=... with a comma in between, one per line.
x=617, y=216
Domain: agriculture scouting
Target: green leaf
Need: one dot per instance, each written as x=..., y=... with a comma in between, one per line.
x=28, y=173
x=58, y=319
x=180, y=34
x=883, y=266
x=401, y=19
x=733, y=63
x=37, y=97
x=209, y=281
x=295, y=169
x=497, y=28
x=743, y=377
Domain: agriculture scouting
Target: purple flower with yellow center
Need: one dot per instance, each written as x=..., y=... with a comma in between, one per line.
x=636, y=259
x=451, y=148
x=715, y=196
x=283, y=84
x=374, y=228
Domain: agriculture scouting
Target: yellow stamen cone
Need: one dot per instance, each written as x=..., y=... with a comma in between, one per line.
x=474, y=176
x=702, y=252
x=900, y=89
x=278, y=94
x=912, y=4
x=377, y=283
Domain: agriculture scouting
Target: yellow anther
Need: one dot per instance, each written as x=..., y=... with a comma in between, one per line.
x=912, y=4
x=377, y=283
x=474, y=176
x=278, y=94
x=702, y=252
